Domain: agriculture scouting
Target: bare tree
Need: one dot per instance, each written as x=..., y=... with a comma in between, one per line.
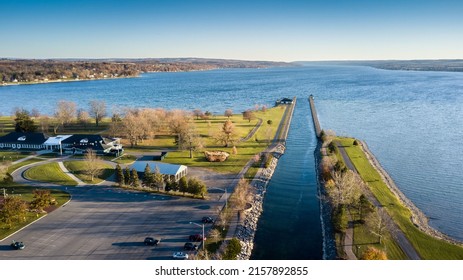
x=35, y=113
x=97, y=110
x=242, y=194
x=249, y=115
x=228, y=113
x=83, y=117
x=227, y=134
x=132, y=127
x=93, y=164
x=65, y=112
x=44, y=122
x=197, y=113
x=378, y=221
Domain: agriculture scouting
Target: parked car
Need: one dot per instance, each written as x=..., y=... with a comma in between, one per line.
x=190, y=246
x=207, y=220
x=17, y=245
x=196, y=237
x=150, y=241
x=180, y=256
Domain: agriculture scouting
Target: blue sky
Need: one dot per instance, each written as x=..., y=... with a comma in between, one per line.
x=253, y=30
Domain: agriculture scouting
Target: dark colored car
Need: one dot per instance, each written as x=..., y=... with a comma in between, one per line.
x=190, y=246
x=151, y=241
x=17, y=245
x=207, y=220
x=196, y=237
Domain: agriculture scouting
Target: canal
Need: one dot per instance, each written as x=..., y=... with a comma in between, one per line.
x=290, y=225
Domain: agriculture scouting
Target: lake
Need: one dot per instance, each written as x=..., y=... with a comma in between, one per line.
x=412, y=121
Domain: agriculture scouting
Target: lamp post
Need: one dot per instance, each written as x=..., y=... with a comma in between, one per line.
x=191, y=223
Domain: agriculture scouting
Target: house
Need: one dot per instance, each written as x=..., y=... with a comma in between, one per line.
x=23, y=141
x=173, y=171
x=79, y=143
x=284, y=101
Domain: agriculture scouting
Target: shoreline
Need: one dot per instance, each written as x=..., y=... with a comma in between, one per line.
x=61, y=81
x=418, y=218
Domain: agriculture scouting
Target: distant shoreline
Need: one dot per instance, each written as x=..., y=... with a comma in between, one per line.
x=62, y=81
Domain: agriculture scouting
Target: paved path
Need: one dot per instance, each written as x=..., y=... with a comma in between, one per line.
x=395, y=231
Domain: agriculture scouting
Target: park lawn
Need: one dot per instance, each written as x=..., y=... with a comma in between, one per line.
x=50, y=173
x=125, y=159
x=6, y=125
x=13, y=167
x=206, y=129
x=77, y=167
x=13, y=155
x=27, y=195
x=427, y=246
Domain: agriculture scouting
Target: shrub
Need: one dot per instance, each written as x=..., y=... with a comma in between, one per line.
x=340, y=220
x=233, y=249
x=372, y=253
x=355, y=143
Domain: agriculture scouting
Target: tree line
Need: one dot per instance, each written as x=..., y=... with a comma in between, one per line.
x=36, y=70
x=154, y=180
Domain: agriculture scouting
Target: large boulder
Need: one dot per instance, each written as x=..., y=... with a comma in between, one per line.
x=216, y=156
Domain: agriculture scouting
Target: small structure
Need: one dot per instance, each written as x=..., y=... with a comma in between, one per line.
x=54, y=142
x=79, y=143
x=173, y=171
x=216, y=156
x=284, y=101
x=23, y=141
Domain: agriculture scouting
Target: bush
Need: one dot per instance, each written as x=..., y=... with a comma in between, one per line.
x=331, y=147
x=269, y=122
x=233, y=249
x=355, y=143
x=340, y=220
x=372, y=253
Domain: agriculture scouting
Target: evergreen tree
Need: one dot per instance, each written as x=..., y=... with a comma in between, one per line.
x=127, y=177
x=148, y=177
x=134, y=178
x=24, y=122
x=120, y=178
x=183, y=185
x=158, y=178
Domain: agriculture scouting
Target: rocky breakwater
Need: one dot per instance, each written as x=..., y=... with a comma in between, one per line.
x=246, y=230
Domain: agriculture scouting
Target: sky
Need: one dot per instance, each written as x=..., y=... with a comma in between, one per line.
x=275, y=30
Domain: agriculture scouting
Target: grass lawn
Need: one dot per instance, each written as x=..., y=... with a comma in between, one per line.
x=50, y=173
x=77, y=167
x=246, y=150
x=13, y=155
x=26, y=195
x=13, y=167
x=126, y=159
x=427, y=246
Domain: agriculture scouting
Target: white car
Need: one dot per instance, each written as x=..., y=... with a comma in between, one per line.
x=180, y=256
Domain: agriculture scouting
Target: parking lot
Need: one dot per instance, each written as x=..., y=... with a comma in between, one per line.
x=102, y=222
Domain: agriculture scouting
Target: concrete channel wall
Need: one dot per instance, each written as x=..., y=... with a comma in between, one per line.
x=316, y=123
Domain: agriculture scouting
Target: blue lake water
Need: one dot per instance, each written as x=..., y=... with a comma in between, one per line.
x=412, y=121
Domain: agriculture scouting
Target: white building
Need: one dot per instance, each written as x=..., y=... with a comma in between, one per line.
x=174, y=171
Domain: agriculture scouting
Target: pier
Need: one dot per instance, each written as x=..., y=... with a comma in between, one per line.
x=316, y=123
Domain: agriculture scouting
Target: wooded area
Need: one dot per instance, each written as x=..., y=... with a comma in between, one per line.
x=36, y=71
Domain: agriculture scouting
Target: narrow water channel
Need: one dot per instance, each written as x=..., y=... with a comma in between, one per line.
x=290, y=227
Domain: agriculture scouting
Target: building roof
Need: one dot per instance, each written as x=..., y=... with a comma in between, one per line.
x=86, y=139
x=164, y=168
x=56, y=140
x=30, y=138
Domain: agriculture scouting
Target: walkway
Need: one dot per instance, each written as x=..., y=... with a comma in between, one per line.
x=395, y=231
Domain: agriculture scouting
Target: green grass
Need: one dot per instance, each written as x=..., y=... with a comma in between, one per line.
x=50, y=173
x=427, y=246
x=126, y=159
x=77, y=167
x=246, y=150
x=26, y=195
x=13, y=167
x=13, y=155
